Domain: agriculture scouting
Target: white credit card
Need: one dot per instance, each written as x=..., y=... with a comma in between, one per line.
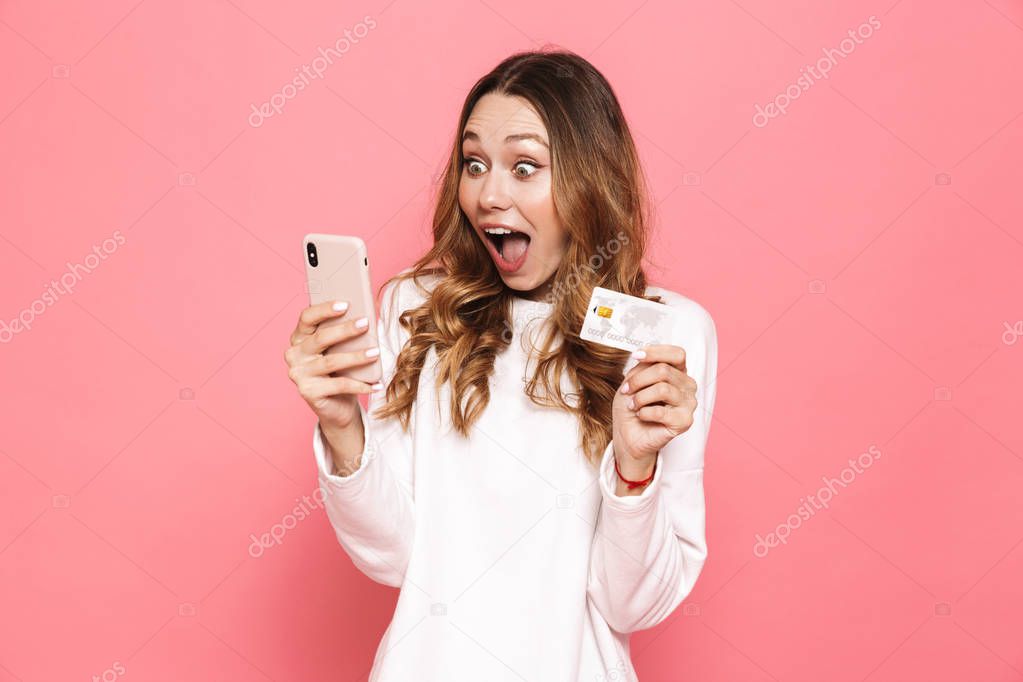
x=629, y=322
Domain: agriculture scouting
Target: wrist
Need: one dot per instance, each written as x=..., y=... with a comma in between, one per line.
x=344, y=446
x=633, y=474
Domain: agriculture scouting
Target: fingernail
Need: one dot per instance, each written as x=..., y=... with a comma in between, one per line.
x=377, y=386
x=340, y=305
x=639, y=354
x=625, y=387
x=362, y=322
x=631, y=403
x=372, y=352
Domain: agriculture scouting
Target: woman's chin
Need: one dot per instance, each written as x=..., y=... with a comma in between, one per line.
x=526, y=287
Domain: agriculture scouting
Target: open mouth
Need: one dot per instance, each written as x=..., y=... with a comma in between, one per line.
x=510, y=245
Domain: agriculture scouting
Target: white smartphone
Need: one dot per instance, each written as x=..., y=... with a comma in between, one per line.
x=337, y=269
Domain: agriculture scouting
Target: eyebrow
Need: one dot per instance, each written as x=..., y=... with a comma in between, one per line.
x=470, y=135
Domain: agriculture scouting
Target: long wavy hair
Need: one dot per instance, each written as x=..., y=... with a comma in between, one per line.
x=600, y=195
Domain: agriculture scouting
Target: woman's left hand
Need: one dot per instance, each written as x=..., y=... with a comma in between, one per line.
x=654, y=403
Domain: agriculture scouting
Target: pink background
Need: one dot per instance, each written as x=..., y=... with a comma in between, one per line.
x=860, y=255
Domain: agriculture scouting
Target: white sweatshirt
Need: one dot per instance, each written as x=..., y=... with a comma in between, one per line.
x=515, y=558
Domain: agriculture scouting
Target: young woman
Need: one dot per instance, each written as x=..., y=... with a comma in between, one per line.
x=536, y=497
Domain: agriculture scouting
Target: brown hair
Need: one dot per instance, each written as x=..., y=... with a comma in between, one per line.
x=600, y=195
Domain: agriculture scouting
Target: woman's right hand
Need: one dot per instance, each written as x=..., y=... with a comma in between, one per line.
x=333, y=399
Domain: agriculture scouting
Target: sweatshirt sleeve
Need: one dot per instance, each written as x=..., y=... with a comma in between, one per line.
x=372, y=508
x=649, y=549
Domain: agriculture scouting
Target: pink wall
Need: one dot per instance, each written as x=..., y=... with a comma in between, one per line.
x=860, y=254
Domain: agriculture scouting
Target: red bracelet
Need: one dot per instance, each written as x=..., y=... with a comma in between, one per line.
x=635, y=484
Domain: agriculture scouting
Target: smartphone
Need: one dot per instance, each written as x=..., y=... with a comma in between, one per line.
x=337, y=269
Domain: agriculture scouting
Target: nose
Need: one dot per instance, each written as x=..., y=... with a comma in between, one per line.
x=494, y=195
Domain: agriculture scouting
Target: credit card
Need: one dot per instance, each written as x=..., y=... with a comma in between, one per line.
x=629, y=322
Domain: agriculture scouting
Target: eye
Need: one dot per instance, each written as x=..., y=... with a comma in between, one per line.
x=526, y=163
x=469, y=162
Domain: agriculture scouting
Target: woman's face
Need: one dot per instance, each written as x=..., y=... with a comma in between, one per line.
x=506, y=181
